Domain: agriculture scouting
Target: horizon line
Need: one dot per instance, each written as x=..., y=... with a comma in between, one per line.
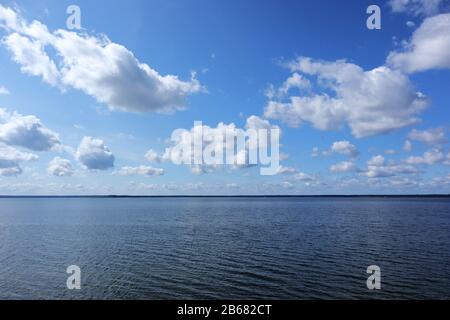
x=441, y=195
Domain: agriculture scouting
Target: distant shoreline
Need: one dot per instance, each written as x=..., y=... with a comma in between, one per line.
x=236, y=196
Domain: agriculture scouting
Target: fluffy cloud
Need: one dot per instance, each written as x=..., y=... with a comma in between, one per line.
x=344, y=147
x=153, y=156
x=3, y=91
x=295, y=81
x=32, y=58
x=304, y=177
x=60, y=167
x=11, y=171
x=94, y=155
x=256, y=123
x=377, y=167
x=141, y=170
x=210, y=142
x=344, y=166
x=10, y=159
x=417, y=7
x=428, y=48
x=430, y=137
x=369, y=102
x=213, y=146
x=376, y=161
x=407, y=146
x=430, y=157
x=286, y=170
x=105, y=70
x=26, y=131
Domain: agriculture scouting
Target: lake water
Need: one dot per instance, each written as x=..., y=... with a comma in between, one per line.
x=230, y=248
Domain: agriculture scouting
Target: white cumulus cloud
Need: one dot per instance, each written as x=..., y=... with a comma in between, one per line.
x=3, y=91
x=344, y=166
x=344, y=147
x=10, y=159
x=296, y=81
x=60, y=167
x=26, y=131
x=377, y=167
x=430, y=157
x=152, y=156
x=428, y=48
x=213, y=146
x=430, y=137
x=32, y=58
x=407, y=146
x=105, y=70
x=417, y=7
x=369, y=102
x=94, y=155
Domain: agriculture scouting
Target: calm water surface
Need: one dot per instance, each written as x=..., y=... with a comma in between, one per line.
x=281, y=248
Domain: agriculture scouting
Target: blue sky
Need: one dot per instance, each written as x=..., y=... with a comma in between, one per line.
x=79, y=113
